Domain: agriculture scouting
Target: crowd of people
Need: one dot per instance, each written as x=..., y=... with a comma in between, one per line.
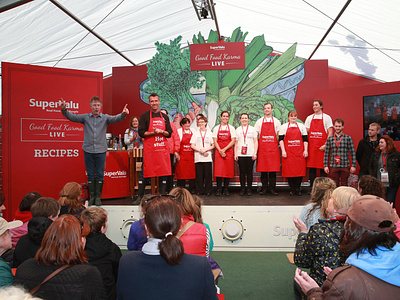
x=62, y=252
x=348, y=238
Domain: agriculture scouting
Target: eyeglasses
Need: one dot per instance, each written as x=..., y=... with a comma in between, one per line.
x=163, y=195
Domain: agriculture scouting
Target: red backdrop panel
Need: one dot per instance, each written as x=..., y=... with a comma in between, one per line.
x=41, y=149
x=125, y=90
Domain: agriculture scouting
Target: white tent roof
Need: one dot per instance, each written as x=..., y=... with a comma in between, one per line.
x=365, y=41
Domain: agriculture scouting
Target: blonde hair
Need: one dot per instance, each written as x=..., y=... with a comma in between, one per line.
x=185, y=200
x=344, y=196
x=320, y=194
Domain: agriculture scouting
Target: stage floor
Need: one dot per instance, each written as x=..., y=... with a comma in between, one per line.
x=283, y=199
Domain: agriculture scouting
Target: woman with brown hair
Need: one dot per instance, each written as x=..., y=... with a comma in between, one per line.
x=316, y=208
x=70, y=199
x=385, y=165
x=62, y=250
x=162, y=270
x=369, y=185
x=193, y=235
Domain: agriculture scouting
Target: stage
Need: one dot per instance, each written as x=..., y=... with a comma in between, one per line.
x=238, y=223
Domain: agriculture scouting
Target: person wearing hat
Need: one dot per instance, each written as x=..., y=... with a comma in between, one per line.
x=6, y=276
x=373, y=265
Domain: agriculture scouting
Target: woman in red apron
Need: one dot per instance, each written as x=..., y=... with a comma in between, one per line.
x=185, y=168
x=268, y=156
x=294, y=147
x=156, y=151
x=224, y=137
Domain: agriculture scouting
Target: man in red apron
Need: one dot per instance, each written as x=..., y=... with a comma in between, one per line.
x=319, y=127
x=268, y=156
x=339, y=146
x=155, y=128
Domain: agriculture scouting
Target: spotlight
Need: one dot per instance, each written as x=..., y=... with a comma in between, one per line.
x=204, y=13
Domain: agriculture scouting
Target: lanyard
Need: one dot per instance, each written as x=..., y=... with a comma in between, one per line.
x=384, y=161
x=337, y=144
x=203, y=137
x=245, y=134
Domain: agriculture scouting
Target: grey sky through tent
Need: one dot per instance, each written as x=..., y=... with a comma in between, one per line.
x=365, y=41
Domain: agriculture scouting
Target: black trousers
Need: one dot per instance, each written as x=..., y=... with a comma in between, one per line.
x=182, y=183
x=170, y=178
x=219, y=182
x=268, y=180
x=203, y=177
x=312, y=174
x=246, y=169
x=295, y=183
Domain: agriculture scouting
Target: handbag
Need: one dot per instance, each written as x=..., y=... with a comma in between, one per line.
x=48, y=278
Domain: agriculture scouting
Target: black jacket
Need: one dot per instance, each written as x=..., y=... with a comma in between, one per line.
x=29, y=244
x=364, y=153
x=105, y=256
x=77, y=282
x=392, y=166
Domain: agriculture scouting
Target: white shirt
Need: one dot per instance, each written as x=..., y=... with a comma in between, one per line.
x=250, y=135
x=224, y=127
x=258, y=125
x=284, y=127
x=180, y=132
x=327, y=121
x=197, y=139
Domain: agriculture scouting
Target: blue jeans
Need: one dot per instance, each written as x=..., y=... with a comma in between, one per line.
x=95, y=165
x=391, y=194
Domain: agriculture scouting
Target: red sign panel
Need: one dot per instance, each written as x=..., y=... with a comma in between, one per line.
x=217, y=56
x=41, y=149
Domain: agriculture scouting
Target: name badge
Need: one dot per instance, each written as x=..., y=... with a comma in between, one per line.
x=244, y=149
x=384, y=175
x=337, y=159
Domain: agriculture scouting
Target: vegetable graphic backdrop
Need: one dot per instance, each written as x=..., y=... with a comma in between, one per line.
x=237, y=91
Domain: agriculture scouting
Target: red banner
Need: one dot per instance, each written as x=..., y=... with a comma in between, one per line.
x=41, y=149
x=217, y=56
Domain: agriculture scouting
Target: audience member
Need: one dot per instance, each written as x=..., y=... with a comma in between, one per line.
x=193, y=235
x=319, y=247
x=70, y=199
x=370, y=185
x=2, y=206
x=16, y=293
x=44, y=211
x=162, y=270
x=23, y=214
x=315, y=209
x=199, y=219
x=103, y=253
x=137, y=233
x=373, y=251
x=62, y=250
x=6, y=276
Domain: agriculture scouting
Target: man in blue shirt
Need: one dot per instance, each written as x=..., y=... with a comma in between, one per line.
x=94, y=143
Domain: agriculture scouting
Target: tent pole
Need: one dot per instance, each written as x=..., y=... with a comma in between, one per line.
x=215, y=18
x=330, y=28
x=90, y=30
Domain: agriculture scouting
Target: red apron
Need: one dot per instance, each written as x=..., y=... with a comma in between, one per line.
x=224, y=166
x=268, y=156
x=294, y=165
x=316, y=138
x=156, y=160
x=184, y=168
